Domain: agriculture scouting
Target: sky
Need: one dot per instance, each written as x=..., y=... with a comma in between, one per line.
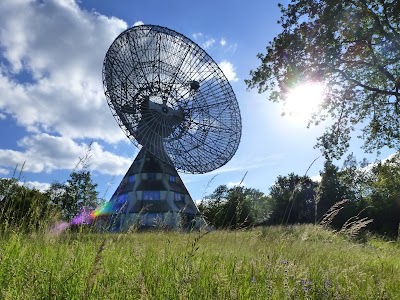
x=52, y=103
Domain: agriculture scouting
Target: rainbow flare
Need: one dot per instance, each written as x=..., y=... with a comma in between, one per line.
x=87, y=216
x=107, y=208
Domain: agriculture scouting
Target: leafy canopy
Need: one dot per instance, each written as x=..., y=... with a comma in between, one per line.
x=353, y=47
x=292, y=199
x=235, y=208
x=79, y=192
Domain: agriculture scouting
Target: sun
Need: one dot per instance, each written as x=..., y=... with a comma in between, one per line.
x=303, y=100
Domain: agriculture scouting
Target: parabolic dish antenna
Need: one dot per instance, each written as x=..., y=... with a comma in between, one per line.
x=171, y=98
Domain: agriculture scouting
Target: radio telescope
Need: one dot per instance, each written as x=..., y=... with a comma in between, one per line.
x=175, y=104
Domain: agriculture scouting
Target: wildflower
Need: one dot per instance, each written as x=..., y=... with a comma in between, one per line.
x=306, y=285
x=328, y=284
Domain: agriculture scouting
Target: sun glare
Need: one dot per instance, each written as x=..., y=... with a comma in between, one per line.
x=303, y=101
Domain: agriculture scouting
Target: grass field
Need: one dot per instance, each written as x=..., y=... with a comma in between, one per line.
x=299, y=262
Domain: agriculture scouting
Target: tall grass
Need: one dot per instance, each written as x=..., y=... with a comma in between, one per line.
x=297, y=262
x=23, y=209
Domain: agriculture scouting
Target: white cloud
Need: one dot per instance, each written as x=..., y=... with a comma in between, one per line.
x=45, y=153
x=232, y=48
x=395, y=157
x=234, y=184
x=2, y=116
x=4, y=171
x=65, y=93
x=138, y=23
x=316, y=178
x=208, y=43
x=197, y=35
x=41, y=186
x=236, y=165
x=229, y=70
x=51, y=82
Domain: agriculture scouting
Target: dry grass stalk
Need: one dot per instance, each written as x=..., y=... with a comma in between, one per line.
x=352, y=227
x=95, y=270
x=328, y=217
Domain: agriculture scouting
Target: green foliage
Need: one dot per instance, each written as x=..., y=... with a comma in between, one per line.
x=373, y=191
x=234, y=208
x=22, y=208
x=358, y=193
x=77, y=193
x=331, y=190
x=354, y=47
x=384, y=198
x=292, y=262
x=356, y=176
x=292, y=200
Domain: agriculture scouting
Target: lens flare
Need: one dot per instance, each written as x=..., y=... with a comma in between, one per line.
x=87, y=216
x=107, y=208
x=84, y=217
x=59, y=228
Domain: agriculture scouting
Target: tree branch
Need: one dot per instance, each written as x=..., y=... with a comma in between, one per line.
x=360, y=84
x=380, y=67
x=387, y=20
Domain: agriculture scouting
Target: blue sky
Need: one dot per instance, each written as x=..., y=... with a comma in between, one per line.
x=52, y=102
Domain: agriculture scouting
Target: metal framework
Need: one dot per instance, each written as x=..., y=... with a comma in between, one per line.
x=168, y=95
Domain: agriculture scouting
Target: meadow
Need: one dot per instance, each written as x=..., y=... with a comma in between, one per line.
x=292, y=262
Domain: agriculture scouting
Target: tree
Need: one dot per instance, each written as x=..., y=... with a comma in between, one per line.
x=335, y=186
x=236, y=207
x=213, y=206
x=353, y=46
x=77, y=193
x=22, y=208
x=292, y=200
x=384, y=198
x=331, y=189
x=356, y=177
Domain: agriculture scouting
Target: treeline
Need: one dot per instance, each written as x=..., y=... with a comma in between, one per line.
x=357, y=193
x=28, y=209
x=360, y=194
